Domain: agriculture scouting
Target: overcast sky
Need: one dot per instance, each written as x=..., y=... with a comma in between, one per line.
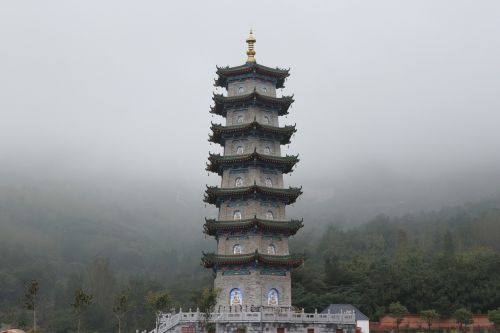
x=397, y=102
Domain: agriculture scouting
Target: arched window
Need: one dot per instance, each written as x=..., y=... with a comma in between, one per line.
x=241, y=89
x=266, y=120
x=237, y=249
x=264, y=89
x=271, y=249
x=269, y=182
x=239, y=150
x=235, y=297
x=269, y=215
x=273, y=297
x=267, y=150
x=237, y=215
x=239, y=119
x=238, y=182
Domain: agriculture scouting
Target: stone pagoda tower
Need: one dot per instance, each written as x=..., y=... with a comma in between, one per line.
x=252, y=264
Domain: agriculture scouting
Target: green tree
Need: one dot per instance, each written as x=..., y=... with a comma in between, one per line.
x=449, y=245
x=429, y=316
x=463, y=317
x=398, y=311
x=120, y=307
x=158, y=302
x=494, y=317
x=30, y=300
x=206, y=303
x=100, y=282
x=80, y=304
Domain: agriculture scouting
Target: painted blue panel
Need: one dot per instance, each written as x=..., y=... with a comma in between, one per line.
x=269, y=204
x=244, y=77
x=273, y=272
x=236, y=272
x=237, y=237
x=239, y=170
x=236, y=203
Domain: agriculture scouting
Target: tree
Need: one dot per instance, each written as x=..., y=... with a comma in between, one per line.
x=494, y=317
x=429, y=316
x=158, y=302
x=449, y=245
x=120, y=307
x=30, y=300
x=81, y=302
x=398, y=311
x=463, y=317
x=206, y=303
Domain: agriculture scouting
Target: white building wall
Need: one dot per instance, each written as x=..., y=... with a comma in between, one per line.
x=364, y=325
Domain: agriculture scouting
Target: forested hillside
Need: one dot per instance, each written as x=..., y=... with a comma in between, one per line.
x=438, y=260
x=441, y=260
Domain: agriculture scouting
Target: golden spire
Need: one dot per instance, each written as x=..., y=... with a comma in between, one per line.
x=250, y=51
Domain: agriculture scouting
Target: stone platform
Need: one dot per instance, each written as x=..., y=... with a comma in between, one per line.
x=263, y=320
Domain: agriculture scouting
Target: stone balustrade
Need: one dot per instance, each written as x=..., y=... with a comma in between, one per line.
x=264, y=315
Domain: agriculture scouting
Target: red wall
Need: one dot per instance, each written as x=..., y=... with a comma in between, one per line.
x=388, y=323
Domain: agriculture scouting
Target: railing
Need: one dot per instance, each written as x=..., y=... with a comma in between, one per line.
x=169, y=320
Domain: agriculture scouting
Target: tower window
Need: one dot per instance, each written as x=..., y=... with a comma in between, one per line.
x=237, y=215
x=241, y=89
x=237, y=249
x=238, y=182
x=267, y=150
x=273, y=297
x=269, y=182
x=269, y=215
x=239, y=150
x=271, y=249
x=267, y=120
x=235, y=297
x=239, y=119
x=264, y=89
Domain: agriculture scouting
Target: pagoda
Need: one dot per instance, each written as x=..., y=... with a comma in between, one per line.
x=252, y=264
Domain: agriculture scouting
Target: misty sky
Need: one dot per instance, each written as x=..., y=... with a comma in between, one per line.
x=397, y=102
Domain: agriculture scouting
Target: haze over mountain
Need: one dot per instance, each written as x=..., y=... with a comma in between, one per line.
x=104, y=120
x=396, y=105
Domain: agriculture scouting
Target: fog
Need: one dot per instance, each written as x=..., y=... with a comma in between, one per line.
x=106, y=103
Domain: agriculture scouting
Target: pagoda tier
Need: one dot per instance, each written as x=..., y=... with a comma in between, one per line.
x=215, y=227
x=251, y=70
x=223, y=103
x=212, y=260
x=222, y=133
x=215, y=195
x=219, y=163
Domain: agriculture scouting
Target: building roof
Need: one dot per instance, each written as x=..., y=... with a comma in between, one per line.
x=215, y=195
x=249, y=69
x=210, y=260
x=220, y=133
x=338, y=308
x=290, y=227
x=281, y=104
x=218, y=162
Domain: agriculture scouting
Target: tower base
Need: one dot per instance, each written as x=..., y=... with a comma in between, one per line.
x=265, y=320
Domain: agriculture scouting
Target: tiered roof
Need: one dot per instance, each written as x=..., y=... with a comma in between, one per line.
x=218, y=162
x=220, y=133
x=211, y=260
x=215, y=195
x=252, y=69
x=222, y=103
x=289, y=227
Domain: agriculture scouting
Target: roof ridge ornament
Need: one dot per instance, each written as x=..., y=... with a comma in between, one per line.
x=250, y=51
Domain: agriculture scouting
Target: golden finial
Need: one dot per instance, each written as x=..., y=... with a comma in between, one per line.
x=251, y=52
